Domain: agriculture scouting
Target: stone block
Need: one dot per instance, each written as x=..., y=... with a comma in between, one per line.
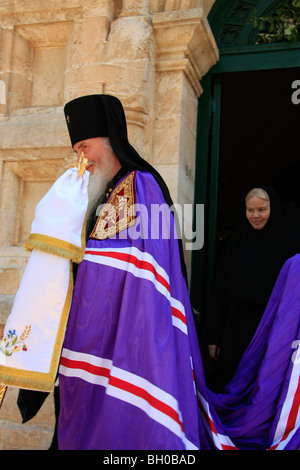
x=36, y=434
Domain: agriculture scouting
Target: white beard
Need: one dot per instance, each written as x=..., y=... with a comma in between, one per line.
x=96, y=187
x=99, y=180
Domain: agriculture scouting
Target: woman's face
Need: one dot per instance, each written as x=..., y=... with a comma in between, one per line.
x=257, y=212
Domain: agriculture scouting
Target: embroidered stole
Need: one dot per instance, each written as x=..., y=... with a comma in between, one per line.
x=34, y=331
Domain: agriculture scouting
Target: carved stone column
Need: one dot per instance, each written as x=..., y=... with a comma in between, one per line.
x=130, y=56
x=185, y=50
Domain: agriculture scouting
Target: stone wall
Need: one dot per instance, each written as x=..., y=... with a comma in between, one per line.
x=151, y=54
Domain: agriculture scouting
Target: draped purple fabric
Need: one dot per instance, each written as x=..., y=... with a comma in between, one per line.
x=259, y=408
x=131, y=374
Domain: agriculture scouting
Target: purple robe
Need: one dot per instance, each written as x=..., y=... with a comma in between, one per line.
x=259, y=408
x=126, y=375
x=131, y=375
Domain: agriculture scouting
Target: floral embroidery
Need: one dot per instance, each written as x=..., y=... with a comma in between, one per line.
x=12, y=343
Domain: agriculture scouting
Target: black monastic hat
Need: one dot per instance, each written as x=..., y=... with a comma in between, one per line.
x=103, y=116
x=86, y=118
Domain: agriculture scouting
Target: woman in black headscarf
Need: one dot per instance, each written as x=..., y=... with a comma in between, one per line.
x=247, y=272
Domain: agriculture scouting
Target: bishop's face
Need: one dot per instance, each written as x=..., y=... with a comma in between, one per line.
x=100, y=155
x=103, y=164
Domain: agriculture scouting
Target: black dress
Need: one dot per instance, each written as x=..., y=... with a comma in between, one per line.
x=247, y=272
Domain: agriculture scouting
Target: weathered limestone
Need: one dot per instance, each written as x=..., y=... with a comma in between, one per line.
x=151, y=54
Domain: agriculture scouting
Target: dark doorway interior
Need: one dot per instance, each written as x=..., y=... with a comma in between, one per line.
x=259, y=141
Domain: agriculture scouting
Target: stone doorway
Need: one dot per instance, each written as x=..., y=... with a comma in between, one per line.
x=248, y=90
x=259, y=140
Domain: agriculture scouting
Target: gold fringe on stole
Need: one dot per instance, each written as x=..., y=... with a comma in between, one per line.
x=58, y=247
x=55, y=246
x=3, y=389
x=39, y=380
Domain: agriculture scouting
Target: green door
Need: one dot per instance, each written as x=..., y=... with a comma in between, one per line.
x=248, y=121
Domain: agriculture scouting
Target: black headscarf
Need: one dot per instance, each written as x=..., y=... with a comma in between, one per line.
x=245, y=277
x=103, y=116
x=253, y=258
